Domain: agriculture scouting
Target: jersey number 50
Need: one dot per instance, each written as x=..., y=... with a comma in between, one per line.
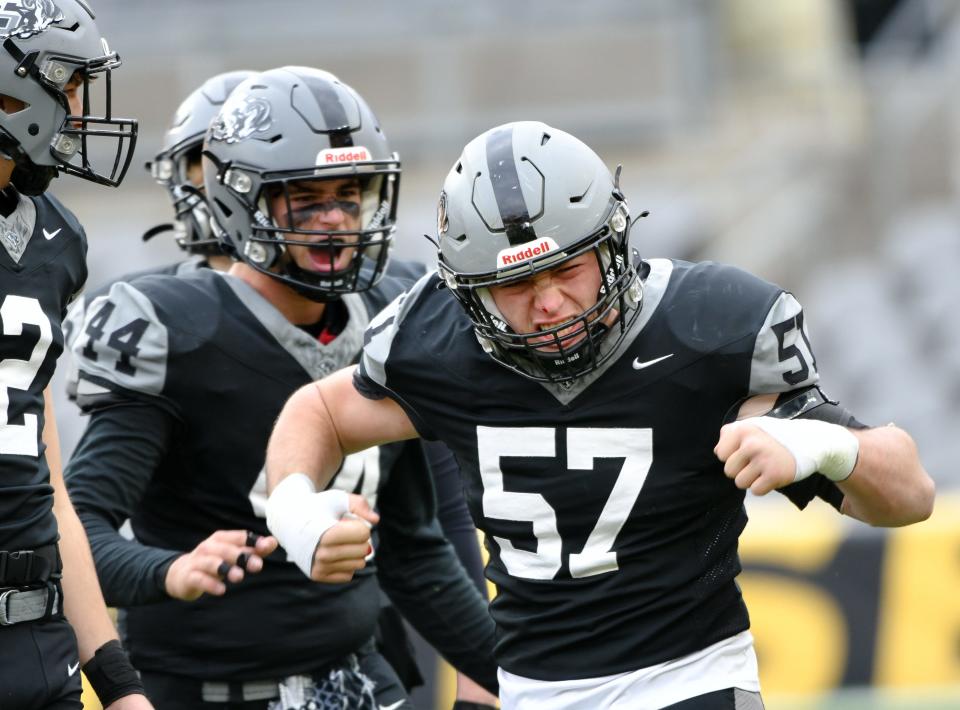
x=634, y=446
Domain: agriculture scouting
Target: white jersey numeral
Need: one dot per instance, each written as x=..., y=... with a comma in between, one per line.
x=16, y=312
x=493, y=443
x=584, y=446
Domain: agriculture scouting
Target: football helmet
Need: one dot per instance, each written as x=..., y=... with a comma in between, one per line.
x=290, y=148
x=182, y=145
x=524, y=198
x=50, y=47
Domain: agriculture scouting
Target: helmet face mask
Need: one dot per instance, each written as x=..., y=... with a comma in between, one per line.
x=572, y=207
x=322, y=226
x=51, y=48
x=312, y=256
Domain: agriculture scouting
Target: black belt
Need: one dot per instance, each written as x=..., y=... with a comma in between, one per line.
x=20, y=567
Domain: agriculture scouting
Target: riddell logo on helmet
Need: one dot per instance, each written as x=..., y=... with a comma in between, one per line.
x=525, y=252
x=334, y=156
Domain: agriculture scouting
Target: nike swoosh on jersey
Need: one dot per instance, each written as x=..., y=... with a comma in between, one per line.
x=50, y=235
x=392, y=706
x=71, y=669
x=637, y=365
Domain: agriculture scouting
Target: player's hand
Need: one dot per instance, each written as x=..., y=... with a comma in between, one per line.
x=225, y=556
x=754, y=459
x=130, y=702
x=343, y=548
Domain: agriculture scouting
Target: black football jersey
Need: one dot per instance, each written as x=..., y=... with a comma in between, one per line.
x=611, y=527
x=34, y=293
x=222, y=361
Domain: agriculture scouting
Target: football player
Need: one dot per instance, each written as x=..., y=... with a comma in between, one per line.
x=183, y=377
x=590, y=397
x=177, y=167
x=50, y=56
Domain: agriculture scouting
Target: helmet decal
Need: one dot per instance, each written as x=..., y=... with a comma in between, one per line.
x=28, y=18
x=443, y=224
x=506, y=187
x=333, y=156
x=241, y=122
x=512, y=256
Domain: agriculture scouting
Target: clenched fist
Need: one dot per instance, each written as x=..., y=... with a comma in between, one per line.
x=754, y=459
x=345, y=546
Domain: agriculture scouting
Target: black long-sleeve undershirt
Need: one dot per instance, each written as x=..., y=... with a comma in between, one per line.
x=106, y=478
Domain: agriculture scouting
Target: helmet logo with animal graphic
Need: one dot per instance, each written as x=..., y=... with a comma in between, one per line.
x=28, y=18
x=238, y=123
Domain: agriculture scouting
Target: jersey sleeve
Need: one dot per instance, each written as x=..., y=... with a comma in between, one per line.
x=385, y=350
x=122, y=349
x=72, y=327
x=782, y=356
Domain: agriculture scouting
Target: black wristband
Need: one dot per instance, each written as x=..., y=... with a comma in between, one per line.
x=111, y=675
x=467, y=705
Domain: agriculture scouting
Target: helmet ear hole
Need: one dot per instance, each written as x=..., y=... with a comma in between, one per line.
x=11, y=105
x=227, y=212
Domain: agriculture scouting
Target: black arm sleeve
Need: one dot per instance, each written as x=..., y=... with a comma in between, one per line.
x=420, y=572
x=106, y=477
x=452, y=511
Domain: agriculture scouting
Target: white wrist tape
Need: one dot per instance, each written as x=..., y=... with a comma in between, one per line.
x=298, y=516
x=817, y=447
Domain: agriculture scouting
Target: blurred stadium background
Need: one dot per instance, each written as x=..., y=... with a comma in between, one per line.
x=814, y=142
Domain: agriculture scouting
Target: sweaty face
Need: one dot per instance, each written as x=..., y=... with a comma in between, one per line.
x=551, y=298
x=316, y=210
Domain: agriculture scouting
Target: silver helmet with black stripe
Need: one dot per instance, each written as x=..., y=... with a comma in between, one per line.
x=524, y=198
x=302, y=183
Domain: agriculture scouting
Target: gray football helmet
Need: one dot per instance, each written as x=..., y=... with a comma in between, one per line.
x=182, y=145
x=278, y=132
x=46, y=44
x=524, y=198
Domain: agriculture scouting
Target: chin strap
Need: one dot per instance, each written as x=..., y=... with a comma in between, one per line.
x=154, y=231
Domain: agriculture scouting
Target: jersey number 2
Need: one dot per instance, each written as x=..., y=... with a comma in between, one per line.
x=16, y=312
x=634, y=446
